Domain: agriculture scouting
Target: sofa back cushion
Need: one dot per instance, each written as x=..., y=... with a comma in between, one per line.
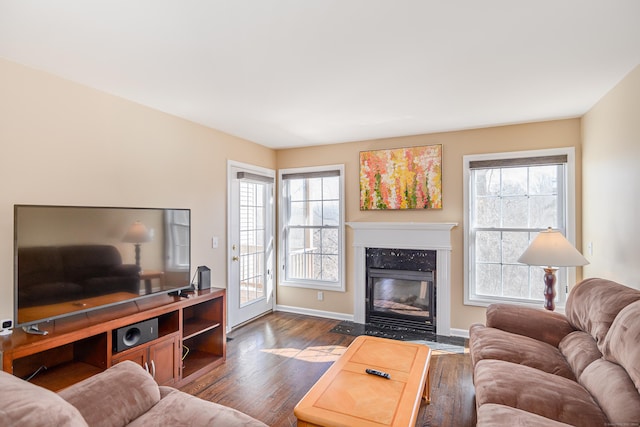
x=85, y=261
x=593, y=304
x=114, y=397
x=25, y=405
x=622, y=344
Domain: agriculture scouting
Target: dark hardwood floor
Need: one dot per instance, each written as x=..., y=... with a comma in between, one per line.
x=273, y=361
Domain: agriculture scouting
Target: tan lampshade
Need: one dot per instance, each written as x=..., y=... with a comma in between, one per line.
x=551, y=249
x=137, y=233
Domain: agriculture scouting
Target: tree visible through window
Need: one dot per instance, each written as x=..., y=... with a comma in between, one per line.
x=510, y=200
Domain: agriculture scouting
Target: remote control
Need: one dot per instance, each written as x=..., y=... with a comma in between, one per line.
x=378, y=373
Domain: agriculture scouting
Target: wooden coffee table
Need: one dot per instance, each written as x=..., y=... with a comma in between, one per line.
x=347, y=396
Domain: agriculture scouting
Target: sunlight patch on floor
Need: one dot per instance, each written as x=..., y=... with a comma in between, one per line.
x=316, y=354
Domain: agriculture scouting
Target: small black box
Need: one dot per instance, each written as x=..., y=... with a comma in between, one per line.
x=204, y=277
x=134, y=335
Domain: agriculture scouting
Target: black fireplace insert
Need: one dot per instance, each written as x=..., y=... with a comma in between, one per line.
x=401, y=298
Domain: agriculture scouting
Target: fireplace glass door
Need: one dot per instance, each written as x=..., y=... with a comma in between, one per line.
x=400, y=298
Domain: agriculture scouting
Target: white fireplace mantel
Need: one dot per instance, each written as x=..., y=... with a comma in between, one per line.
x=405, y=235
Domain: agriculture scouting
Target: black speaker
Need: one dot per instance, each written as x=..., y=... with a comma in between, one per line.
x=136, y=334
x=204, y=277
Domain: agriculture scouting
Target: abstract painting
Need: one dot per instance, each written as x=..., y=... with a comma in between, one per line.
x=401, y=178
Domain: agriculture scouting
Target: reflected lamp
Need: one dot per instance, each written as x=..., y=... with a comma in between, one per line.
x=137, y=234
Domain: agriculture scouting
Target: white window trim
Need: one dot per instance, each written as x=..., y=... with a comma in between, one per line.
x=336, y=286
x=570, y=216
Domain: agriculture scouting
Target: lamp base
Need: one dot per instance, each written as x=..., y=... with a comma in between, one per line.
x=549, y=288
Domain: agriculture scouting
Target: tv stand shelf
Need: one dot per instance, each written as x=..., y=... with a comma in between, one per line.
x=78, y=347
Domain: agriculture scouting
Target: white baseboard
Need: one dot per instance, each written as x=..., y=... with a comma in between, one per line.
x=463, y=333
x=317, y=313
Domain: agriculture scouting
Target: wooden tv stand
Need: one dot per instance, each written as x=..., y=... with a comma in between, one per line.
x=191, y=341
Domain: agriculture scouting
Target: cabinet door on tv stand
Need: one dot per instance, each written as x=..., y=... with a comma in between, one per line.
x=164, y=361
x=139, y=355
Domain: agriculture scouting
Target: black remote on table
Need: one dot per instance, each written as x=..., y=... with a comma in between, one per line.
x=378, y=373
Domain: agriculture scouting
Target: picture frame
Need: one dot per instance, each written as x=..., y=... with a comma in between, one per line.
x=401, y=178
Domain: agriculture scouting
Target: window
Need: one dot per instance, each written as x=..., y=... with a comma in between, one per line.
x=509, y=198
x=312, y=227
x=177, y=224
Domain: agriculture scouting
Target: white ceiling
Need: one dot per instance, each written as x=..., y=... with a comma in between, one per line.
x=286, y=73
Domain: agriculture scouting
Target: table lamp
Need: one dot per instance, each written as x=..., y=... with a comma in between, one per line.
x=550, y=248
x=137, y=234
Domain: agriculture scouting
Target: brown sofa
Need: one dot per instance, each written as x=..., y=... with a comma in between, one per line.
x=123, y=395
x=540, y=368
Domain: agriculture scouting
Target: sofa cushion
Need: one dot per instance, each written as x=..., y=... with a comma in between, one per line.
x=580, y=350
x=594, y=303
x=27, y=405
x=622, y=344
x=535, y=391
x=539, y=324
x=491, y=343
x=614, y=391
x=181, y=409
x=493, y=415
x=114, y=397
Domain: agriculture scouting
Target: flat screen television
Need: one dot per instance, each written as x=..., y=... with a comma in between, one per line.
x=70, y=260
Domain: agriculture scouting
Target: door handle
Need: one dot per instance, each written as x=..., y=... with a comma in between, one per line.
x=235, y=258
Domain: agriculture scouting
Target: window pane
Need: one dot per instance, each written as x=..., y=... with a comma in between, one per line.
x=298, y=214
x=514, y=181
x=331, y=213
x=297, y=189
x=543, y=211
x=316, y=213
x=488, y=246
x=515, y=281
x=513, y=245
x=487, y=182
x=488, y=279
x=331, y=188
x=330, y=268
x=487, y=212
x=515, y=212
x=330, y=241
x=543, y=180
x=315, y=188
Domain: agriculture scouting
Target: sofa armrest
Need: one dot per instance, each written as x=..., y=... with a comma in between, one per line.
x=116, y=396
x=539, y=324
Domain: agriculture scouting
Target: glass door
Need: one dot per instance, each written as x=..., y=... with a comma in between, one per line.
x=251, y=243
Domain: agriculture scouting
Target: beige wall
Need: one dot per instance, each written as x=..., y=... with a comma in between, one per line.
x=65, y=144
x=552, y=134
x=611, y=178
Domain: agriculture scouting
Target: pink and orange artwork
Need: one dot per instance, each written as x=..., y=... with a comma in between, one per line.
x=401, y=178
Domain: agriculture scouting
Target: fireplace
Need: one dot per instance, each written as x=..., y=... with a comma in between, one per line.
x=401, y=299
x=432, y=237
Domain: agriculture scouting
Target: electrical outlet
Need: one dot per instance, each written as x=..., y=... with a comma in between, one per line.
x=214, y=242
x=320, y=296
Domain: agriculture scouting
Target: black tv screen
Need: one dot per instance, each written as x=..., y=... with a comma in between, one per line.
x=72, y=259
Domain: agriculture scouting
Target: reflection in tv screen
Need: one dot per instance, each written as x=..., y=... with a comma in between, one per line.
x=71, y=259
